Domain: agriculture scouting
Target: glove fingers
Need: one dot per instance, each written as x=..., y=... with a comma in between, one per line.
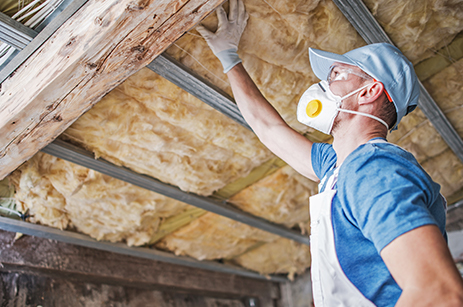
x=222, y=17
x=204, y=32
x=234, y=10
x=242, y=14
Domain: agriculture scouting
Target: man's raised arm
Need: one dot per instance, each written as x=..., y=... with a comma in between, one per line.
x=265, y=121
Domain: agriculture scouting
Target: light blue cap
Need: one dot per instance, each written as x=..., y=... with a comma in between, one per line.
x=382, y=61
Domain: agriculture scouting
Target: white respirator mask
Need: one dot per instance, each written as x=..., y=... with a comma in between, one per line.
x=318, y=107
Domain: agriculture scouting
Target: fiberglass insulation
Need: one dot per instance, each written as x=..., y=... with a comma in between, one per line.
x=274, y=48
x=417, y=135
x=61, y=194
x=155, y=128
x=282, y=197
x=419, y=28
x=213, y=237
x=280, y=256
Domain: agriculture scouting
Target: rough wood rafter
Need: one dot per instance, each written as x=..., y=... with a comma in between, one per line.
x=94, y=51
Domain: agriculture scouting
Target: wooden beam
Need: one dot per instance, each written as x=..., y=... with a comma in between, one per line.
x=74, y=238
x=100, y=46
x=61, y=260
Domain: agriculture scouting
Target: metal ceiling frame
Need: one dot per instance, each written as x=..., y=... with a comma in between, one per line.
x=15, y=33
x=185, y=78
x=9, y=224
x=74, y=154
x=370, y=30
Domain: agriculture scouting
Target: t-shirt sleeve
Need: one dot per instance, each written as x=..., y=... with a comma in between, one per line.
x=386, y=197
x=323, y=158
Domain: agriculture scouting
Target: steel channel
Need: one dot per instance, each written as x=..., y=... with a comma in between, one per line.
x=41, y=38
x=182, y=76
x=79, y=156
x=15, y=33
x=69, y=237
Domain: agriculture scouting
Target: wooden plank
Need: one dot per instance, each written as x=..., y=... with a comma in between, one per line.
x=30, y=288
x=367, y=26
x=84, y=158
x=56, y=259
x=256, y=174
x=100, y=46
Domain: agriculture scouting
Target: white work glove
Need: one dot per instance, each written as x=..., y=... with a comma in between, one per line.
x=224, y=42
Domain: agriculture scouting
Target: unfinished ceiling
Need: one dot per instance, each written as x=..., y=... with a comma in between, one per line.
x=155, y=128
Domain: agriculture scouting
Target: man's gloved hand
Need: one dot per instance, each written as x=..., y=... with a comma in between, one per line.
x=224, y=42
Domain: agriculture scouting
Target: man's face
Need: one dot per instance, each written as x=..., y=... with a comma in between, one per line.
x=343, y=80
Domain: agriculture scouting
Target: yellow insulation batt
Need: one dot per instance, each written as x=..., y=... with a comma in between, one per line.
x=419, y=28
x=274, y=48
x=447, y=89
x=213, y=237
x=282, y=197
x=280, y=256
x=417, y=135
x=61, y=194
x=155, y=128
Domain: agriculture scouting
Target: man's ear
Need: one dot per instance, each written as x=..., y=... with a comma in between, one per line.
x=371, y=93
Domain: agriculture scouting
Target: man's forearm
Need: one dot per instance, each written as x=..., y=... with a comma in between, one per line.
x=256, y=110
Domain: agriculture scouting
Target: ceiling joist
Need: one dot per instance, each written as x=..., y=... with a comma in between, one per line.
x=69, y=73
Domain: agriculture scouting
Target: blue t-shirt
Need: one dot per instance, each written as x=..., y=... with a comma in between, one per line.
x=382, y=193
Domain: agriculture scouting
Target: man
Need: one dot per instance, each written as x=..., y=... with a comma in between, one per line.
x=378, y=225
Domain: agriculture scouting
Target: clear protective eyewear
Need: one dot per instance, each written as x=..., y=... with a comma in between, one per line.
x=338, y=73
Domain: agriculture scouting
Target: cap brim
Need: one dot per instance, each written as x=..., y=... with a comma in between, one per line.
x=321, y=62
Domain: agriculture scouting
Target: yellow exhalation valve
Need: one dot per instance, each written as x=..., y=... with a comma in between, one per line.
x=313, y=109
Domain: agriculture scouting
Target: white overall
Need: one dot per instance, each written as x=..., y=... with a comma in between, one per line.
x=330, y=285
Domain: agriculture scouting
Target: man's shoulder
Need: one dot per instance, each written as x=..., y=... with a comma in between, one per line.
x=385, y=156
x=384, y=165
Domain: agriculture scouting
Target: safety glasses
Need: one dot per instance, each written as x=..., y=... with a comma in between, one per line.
x=338, y=73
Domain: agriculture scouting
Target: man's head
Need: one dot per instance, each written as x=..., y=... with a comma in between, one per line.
x=384, y=63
